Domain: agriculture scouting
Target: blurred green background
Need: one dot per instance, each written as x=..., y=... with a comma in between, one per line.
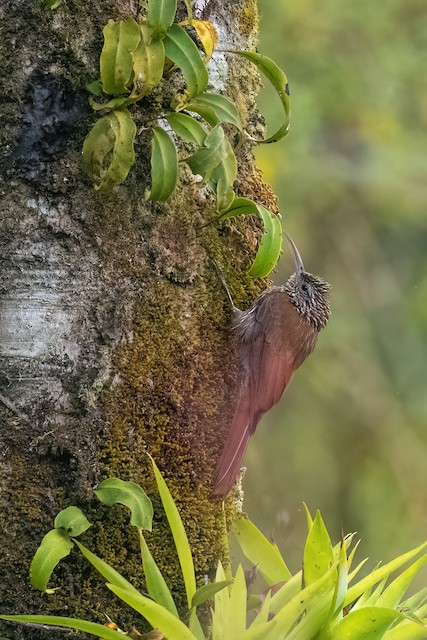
x=350, y=435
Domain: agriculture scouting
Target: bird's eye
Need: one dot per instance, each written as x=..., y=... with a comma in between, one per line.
x=304, y=288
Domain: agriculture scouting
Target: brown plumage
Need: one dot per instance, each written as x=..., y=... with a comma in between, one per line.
x=274, y=337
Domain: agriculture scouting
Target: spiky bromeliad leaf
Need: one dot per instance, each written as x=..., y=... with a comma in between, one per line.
x=164, y=166
x=121, y=38
x=318, y=554
x=108, y=152
x=156, y=584
x=261, y=552
x=178, y=533
x=271, y=242
x=159, y=617
x=180, y=48
x=95, y=629
x=115, y=491
x=279, y=80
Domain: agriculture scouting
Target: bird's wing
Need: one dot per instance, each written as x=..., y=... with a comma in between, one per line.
x=269, y=345
x=267, y=358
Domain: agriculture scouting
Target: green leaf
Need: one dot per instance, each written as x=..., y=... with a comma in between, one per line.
x=221, y=606
x=128, y=493
x=395, y=591
x=95, y=87
x=278, y=79
x=106, y=570
x=270, y=246
x=236, y=622
x=318, y=555
x=261, y=552
x=95, y=629
x=406, y=631
x=214, y=150
x=160, y=15
x=159, y=617
x=195, y=626
x=148, y=62
x=222, y=178
x=187, y=128
x=180, y=48
x=382, y=572
x=215, y=109
x=164, y=166
x=207, y=591
x=271, y=242
x=369, y=623
x=121, y=38
x=53, y=4
x=108, y=152
x=156, y=585
x=264, y=612
x=179, y=535
x=54, y=546
x=314, y=601
x=72, y=521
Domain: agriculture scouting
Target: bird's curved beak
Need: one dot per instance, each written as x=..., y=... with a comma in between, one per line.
x=299, y=265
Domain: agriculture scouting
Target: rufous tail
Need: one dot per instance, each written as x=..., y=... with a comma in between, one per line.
x=231, y=458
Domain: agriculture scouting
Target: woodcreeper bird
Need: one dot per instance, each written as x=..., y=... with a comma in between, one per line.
x=273, y=337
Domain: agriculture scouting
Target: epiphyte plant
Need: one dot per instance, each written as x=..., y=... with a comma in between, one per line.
x=135, y=58
x=324, y=601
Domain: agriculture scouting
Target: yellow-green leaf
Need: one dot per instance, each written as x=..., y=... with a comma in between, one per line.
x=105, y=569
x=108, y=152
x=180, y=48
x=318, y=555
x=279, y=80
x=156, y=584
x=54, y=546
x=369, y=623
x=261, y=552
x=159, y=617
x=95, y=629
x=164, y=166
x=222, y=178
x=121, y=38
x=73, y=521
x=207, y=33
x=115, y=491
x=178, y=534
x=382, y=572
x=148, y=62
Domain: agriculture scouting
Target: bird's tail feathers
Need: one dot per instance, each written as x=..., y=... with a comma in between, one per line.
x=234, y=449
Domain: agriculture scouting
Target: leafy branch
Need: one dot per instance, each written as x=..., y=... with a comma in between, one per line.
x=135, y=58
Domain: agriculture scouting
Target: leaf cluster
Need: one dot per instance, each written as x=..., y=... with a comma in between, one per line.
x=322, y=602
x=135, y=58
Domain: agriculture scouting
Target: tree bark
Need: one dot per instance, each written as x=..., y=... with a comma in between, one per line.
x=114, y=329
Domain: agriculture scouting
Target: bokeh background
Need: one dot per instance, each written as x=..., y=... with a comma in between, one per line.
x=350, y=435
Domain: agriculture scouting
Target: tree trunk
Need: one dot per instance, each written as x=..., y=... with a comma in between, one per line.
x=114, y=329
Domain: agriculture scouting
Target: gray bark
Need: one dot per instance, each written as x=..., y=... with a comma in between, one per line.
x=113, y=333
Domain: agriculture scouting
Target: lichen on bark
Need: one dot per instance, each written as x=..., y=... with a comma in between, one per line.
x=114, y=338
